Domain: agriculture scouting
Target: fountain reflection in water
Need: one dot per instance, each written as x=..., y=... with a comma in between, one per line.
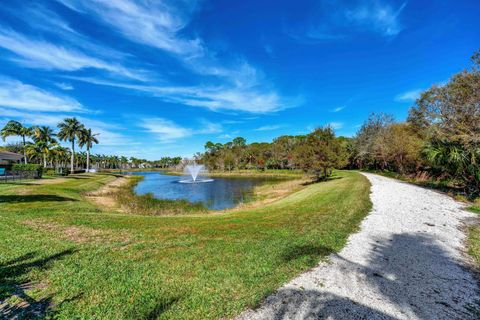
x=195, y=173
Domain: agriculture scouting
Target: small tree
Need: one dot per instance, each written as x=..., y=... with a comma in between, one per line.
x=43, y=137
x=320, y=153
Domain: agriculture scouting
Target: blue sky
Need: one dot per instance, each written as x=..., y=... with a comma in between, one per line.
x=158, y=78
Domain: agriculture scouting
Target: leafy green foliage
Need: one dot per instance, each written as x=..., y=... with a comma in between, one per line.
x=320, y=153
x=440, y=138
x=449, y=118
x=37, y=168
x=281, y=154
x=15, y=128
x=70, y=129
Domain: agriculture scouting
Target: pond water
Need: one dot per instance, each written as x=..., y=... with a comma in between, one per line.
x=221, y=193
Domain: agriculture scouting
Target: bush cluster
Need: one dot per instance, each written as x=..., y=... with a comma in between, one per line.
x=35, y=169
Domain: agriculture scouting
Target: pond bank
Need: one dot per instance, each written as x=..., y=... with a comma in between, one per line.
x=119, y=195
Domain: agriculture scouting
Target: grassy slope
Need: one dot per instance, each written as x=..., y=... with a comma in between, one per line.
x=474, y=237
x=95, y=264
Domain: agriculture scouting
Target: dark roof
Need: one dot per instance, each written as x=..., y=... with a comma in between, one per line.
x=5, y=155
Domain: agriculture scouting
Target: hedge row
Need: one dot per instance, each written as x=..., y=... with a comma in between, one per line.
x=36, y=170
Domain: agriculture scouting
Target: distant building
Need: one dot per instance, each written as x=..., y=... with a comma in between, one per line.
x=7, y=157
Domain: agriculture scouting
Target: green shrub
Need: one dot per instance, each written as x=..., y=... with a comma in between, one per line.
x=36, y=170
x=49, y=172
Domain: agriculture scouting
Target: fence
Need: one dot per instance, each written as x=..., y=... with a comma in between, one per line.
x=18, y=175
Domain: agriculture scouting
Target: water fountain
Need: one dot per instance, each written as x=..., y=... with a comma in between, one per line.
x=195, y=171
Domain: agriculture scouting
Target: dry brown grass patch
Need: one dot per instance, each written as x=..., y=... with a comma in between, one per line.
x=78, y=234
x=266, y=194
x=104, y=197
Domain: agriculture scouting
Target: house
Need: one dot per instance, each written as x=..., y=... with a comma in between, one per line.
x=7, y=157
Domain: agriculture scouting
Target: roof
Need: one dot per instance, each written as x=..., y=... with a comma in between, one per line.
x=5, y=155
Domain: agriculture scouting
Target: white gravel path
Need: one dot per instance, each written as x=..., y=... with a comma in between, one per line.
x=406, y=262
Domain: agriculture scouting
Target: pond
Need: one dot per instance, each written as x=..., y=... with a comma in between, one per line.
x=221, y=193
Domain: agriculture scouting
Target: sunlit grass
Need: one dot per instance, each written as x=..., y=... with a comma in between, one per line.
x=88, y=263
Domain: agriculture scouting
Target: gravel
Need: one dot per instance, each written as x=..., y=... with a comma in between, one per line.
x=406, y=262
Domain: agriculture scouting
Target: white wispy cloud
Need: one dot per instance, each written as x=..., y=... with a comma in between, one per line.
x=233, y=83
x=155, y=24
x=377, y=16
x=18, y=95
x=232, y=121
x=338, y=20
x=237, y=84
x=167, y=131
x=39, y=18
x=336, y=125
x=161, y=24
x=64, y=86
x=409, y=96
x=269, y=127
x=225, y=136
x=41, y=54
x=214, y=98
x=207, y=127
x=338, y=109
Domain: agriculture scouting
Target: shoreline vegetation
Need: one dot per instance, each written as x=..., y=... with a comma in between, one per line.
x=147, y=204
x=199, y=266
x=119, y=195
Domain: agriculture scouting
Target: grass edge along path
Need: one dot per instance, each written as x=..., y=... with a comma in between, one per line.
x=80, y=262
x=473, y=241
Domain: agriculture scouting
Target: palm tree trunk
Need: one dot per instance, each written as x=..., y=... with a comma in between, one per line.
x=72, y=158
x=24, y=150
x=88, y=159
x=44, y=160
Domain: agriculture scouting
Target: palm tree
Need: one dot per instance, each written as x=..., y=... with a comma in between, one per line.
x=70, y=129
x=123, y=162
x=60, y=155
x=15, y=128
x=34, y=151
x=87, y=138
x=44, y=138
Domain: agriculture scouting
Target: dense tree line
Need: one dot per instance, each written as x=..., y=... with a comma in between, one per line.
x=440, y=140
x=316, y=153
x=40, y=144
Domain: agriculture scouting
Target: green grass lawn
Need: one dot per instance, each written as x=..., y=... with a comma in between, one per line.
x=474, y=237
x=61, y=253
x=475, y=209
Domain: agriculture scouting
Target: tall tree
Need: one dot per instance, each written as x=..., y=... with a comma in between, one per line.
x=70, y=129
x=448, y=116
x=15, y=128
x=87, y=138
x=60, y=156
x=43, y=137
x=369, y=141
